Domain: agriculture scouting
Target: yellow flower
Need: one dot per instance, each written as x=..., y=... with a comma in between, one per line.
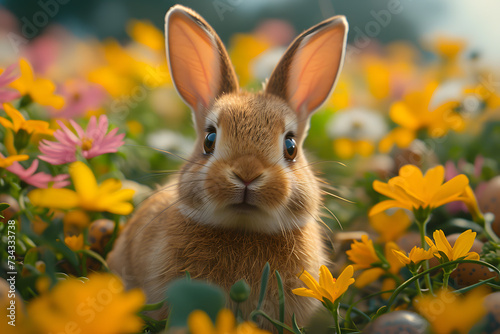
x=416, y=255
x=99, y=305
x=451, y=313
x=413, y=114
x=74, y=242
x=411, y=190
x=401, y=137
x=8, y=161
x=449, y=48
x=378, y=77
x=244, y=49
x=40, y=90
x=341, y=96
x=20, y=123
x=199, y=323
x=362, y=253
x=390, y=227
x=346, y=147
x=144, y=32
x=328, y=287
x=364, y=257
x=469, y=199
x=460, y=249
x=88, y=195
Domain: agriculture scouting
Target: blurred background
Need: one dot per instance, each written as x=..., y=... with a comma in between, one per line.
x=475, y=21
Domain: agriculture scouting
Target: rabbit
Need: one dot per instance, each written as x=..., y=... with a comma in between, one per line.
x=246, y=195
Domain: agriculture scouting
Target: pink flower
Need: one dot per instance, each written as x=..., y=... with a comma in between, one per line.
x=80, y=97
x=40, y=179
x=7, y=94
x=92, y=142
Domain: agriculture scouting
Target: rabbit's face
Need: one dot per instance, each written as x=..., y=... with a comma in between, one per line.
x=248, y=170
x=245, y=172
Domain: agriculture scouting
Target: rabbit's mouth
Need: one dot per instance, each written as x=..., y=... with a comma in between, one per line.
x=243, y=207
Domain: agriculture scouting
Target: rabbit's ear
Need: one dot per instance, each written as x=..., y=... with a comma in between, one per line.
x=307, y=72
x=198, y=62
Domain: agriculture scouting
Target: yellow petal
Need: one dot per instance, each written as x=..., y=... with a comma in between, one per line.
x=54, y=198
x=368, y=276
x=344, y=148
x=382, y=206
x=442, y=243
x=429, y=242
x=386, y=190
x=472, y=256
x=388, y=284
x=450, y=191
x=121, y=209
x=84, y=181
x=402, y=115
x=16, y=117
x=310, y=282
x=306, y=293
x=8, y=161
x=463, y=244
x=365, y=148
x=199, y=323
x=401, y=256
x=433, y=179
x=326, y=279
x=25, y=82
x=343, y=281
x=225, y=322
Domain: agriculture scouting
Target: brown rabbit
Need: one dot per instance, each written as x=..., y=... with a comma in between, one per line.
x=247, y=196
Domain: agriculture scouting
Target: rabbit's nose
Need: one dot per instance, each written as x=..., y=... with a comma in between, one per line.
x=246, y=180
x=247, y=169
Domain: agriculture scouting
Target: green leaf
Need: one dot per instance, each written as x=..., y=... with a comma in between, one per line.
x=263, y=284
x=4, y=206
x=96, y=256
x=183, y=297
x=62, y=248
x=281, y=296
x=296, y=329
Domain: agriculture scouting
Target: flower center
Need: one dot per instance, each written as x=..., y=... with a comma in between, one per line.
x=86, y=143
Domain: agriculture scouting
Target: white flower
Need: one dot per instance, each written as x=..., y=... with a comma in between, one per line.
x=357, y=124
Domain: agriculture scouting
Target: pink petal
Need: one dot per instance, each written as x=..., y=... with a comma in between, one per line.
x=8, y=75
x=77, y=128
x=7, y=95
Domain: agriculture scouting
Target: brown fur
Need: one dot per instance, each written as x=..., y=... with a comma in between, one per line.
x=197, y=222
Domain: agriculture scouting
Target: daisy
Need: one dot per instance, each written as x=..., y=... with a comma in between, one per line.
x=7, y=76
x=40, y=179
x=91, y=143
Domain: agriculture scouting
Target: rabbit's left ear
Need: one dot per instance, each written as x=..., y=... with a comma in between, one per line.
x=308, y=71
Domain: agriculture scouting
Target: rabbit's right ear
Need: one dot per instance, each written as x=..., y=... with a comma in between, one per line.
x=198, y=62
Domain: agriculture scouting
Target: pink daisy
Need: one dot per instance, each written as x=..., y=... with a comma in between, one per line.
x=92, y=142
x=7, y=76
x=40, y=179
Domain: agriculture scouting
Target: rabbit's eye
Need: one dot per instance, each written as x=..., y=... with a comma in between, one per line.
x=290, y=148
x=209, y=144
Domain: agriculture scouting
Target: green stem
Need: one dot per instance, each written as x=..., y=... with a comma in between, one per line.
x=276, y=323
x=446, y=278
x=419, y=288
x=439, y=266
x=422, y=227
x=335, y=313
